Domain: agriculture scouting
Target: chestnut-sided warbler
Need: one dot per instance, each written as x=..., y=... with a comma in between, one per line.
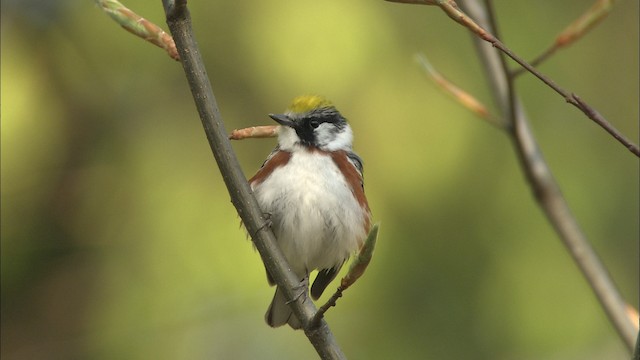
x=311, y=188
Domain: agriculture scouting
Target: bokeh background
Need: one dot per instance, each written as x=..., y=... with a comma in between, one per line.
x=119, y=240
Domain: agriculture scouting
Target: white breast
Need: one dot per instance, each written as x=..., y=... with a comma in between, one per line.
x=316, y=218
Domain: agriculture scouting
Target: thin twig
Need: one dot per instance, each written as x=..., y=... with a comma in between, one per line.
x=330, y=303
x=179, y=22
x=461, y=96
x=575, y=31
x=139, y=26
x=356, y=269
x=265, y=131
x=600, y=120
x=546, y=190
x=571, y=98
x=450, y=7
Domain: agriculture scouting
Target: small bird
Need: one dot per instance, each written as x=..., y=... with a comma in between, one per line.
x=311, y=188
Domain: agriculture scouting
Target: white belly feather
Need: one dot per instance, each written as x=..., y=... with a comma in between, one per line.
x=315, y=217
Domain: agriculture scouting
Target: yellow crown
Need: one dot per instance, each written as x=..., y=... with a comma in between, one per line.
x=306, y=103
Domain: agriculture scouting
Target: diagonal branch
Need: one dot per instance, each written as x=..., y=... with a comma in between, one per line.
x=179, y=22
x=546, y=191
x=450, y=7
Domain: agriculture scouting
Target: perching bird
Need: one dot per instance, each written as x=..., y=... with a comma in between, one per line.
x=311, y=188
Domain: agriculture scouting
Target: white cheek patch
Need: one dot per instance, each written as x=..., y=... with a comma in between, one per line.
x=325, y=133
x=331, y=139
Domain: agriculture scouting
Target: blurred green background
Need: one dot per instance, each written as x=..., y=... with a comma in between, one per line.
x=119, y=240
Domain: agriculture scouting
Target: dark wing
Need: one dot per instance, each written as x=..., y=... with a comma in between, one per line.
x=324, y=277
x=357, y=162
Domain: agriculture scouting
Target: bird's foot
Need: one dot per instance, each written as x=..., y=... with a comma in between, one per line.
x=301, y=290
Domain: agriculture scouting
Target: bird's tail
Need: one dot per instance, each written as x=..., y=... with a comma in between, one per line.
x=280, y=313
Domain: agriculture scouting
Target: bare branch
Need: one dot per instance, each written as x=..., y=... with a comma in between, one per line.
x=600, y=120
x=462, y=97
x=265, y=131
x=179, y=22
x=461, y=18
x=139, y=26
x=356, y=270
x=419, y=2
x=546, y=190
x=575, y=31
x=453, y=11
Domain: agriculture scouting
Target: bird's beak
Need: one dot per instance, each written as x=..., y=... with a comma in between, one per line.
x=282, y=120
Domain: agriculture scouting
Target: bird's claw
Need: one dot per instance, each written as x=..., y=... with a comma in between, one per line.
x=267, y=222
x=301, y=290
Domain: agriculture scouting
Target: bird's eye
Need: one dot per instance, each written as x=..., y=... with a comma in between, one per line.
x=314, y=123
